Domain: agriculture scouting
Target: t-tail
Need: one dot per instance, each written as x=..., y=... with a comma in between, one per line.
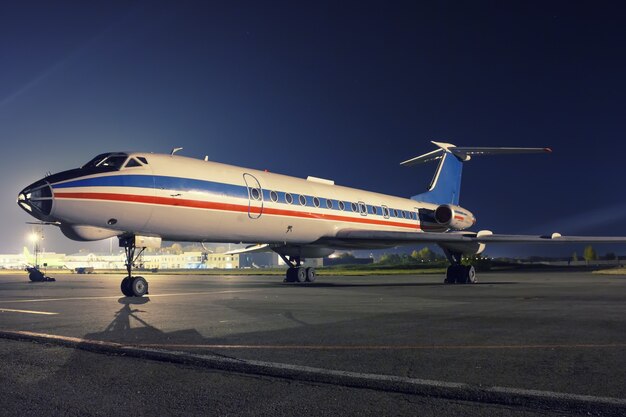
x=445, y=186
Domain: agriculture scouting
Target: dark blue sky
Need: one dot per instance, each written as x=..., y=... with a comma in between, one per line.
x=342, y=91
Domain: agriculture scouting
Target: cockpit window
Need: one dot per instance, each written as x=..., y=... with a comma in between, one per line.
x=106, y=162
x=142, y=160
x=95, y=161
x=113, y=161
x=132, y=162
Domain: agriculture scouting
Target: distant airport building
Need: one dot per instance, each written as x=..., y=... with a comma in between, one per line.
x=258, y=260
x=93, y=260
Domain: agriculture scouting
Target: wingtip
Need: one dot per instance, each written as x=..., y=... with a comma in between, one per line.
x=549, y=150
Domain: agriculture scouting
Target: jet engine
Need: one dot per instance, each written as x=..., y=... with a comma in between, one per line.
x=454, y=217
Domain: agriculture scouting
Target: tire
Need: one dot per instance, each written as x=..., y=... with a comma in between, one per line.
x=300, y=274
x=139, y=286
x=471, y=275
x=451, y=275
x=461, y=274
x=310, y=275
x=290, y=275
x=125, y=287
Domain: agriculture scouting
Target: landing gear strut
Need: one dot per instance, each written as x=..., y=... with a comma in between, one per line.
x=457, y=273
x=132, y=286
x=296, y=272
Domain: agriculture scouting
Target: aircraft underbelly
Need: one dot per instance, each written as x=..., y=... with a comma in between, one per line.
x=183, y=223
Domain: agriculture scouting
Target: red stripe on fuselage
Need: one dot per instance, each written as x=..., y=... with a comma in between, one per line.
x=167, y=201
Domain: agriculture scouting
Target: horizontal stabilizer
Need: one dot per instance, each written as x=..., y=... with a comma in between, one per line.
x=464, y=153
x=422, y=159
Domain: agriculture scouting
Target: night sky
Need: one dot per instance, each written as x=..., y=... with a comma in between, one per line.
x=340, y=91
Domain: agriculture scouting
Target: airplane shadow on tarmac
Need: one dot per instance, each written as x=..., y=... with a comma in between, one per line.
x=128, y=327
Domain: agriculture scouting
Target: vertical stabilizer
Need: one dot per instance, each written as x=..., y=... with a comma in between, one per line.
x=445, y=186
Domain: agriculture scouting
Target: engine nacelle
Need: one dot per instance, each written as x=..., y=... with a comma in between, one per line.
x=87, y=233
x=454, y=217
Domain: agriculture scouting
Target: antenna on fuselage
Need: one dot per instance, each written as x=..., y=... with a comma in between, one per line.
x=206, y=157
x=175, y=150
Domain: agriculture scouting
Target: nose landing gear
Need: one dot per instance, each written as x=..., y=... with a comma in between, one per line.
x=132, y=286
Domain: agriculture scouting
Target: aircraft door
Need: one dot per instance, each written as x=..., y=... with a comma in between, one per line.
x=255, y=196
x=417, y=213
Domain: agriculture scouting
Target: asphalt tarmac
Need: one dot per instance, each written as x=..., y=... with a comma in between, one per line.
x=514, y=344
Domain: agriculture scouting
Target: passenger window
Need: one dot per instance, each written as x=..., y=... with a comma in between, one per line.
x=302, y=200
x=316, y=201
x=329, y=203
x=288, y=198
x=273, y=196
x=363, y=208
x=255, y=193
x=353, y=207
x=395, y=213
x=342, y=206
x=385, y=211
x=374, y=210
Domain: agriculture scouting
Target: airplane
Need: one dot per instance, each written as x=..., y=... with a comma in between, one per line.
x=46, y=259
x=144, y=198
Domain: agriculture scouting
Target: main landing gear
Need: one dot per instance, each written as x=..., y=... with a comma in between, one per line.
x=132, y=286
x=457, y=273
x=296, y=272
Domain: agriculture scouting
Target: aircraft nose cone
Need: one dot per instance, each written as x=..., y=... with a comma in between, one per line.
x=36, y=199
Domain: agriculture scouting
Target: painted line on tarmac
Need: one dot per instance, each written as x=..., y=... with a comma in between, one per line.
x=377, y=347
x=116, y=297
x=547, y=400
x=10, y=310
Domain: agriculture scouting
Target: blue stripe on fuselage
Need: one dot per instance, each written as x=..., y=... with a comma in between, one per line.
x=159, y=182
x=214, y=188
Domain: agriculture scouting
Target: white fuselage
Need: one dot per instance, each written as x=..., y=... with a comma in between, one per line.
x=180, y=198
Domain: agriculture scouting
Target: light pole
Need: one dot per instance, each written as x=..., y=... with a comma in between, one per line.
x=34, y=238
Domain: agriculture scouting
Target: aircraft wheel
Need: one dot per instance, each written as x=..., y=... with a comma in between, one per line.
x=300, y=274
x=310, y=275
x=471, y=275
x=451, y=275
x=139, y=286
x=290, y=275
x=462, y=274
x=125, y=287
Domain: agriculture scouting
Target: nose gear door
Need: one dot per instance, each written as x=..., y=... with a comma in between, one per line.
x=255, y=196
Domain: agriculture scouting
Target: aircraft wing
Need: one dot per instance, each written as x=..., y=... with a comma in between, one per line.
x=263, y=247
x=355, y=237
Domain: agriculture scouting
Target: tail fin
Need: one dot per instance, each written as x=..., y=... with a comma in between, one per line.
x=445, y=186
